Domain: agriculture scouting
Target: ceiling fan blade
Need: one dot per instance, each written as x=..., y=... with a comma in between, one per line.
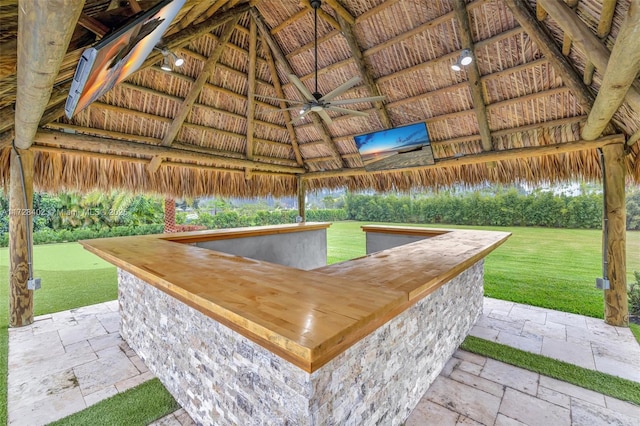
x=277, y=99
x=348, y=111
x=300, y=116
x=356, y=101
x=323, y=114
x=341, y=89
x=301, y=87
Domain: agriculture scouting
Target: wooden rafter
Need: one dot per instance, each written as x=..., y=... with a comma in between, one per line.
x=93, y=25
x=195, y=90
x=124, y=158
x=198, y=105
x=70, y=128
x=197, y=127
x=621, y=72
x=200, y=155
x=41, y=49
x=479, y=101
x=198, y=9
x=287, y=116
x=281, y=58
x=606, y=18
x=251, y=83
x=588, y=42
x=483, y=157
x=551, y=51
x=341, y=12
x=363, y=67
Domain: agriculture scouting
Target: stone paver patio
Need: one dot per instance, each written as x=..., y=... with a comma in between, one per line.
x=67, y=361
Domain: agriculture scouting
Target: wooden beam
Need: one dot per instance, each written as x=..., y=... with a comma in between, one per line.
x=479, y=102
x=145, y=115
x=196, y=88
x=116, y=157
x=212, y=10
x=93, y=25
x=44, y=33
x=251, y=83
x=20, y=223
x=280, y=57
x=606, y=18
x=302, y=197
x=287, y=116
x=341, y=12
x=135, y=7
x=363, y=68
x=622, y=70
x=587, y=41
x=484, y=157
x=290, y=20
x=551, y=51
x=566, y=44
x=88, y=143
x=541, y=14
x=198, y=9
x=616, y=308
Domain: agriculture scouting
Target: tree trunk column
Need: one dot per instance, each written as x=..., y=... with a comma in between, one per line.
x=302, y=194
x=20, y=299
x=616, y=309
x=169, y=216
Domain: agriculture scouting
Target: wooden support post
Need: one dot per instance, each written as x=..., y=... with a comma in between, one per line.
x=20, y=299
x=302, y=195
x=616, y=308
x=44, y=31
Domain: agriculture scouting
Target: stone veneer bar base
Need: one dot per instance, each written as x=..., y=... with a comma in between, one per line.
x=220, y=377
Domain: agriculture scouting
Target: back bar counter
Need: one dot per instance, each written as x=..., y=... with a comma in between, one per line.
x=250, y=326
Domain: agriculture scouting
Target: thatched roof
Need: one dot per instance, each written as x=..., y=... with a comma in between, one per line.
x=403, y=49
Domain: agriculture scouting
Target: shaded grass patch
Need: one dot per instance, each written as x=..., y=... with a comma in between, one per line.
x=616, y=387
x=137, y=406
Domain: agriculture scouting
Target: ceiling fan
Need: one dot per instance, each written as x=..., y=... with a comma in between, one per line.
x=316, y=102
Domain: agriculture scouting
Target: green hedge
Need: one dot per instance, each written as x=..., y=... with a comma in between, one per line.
x=509, y=208
x=233, y=219
x=47, y=236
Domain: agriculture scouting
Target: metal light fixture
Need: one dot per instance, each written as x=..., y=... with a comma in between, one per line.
x=169, y=58
x=464, y=59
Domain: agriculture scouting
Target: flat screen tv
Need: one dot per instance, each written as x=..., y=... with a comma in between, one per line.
x=118, y=54
x=400, y=147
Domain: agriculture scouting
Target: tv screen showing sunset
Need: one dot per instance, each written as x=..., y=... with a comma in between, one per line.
x=385, y=143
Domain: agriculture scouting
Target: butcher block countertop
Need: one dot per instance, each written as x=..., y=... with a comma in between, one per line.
x=306, y=317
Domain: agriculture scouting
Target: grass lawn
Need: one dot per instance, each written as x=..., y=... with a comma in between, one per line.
x=71, y=277
x=553, y=268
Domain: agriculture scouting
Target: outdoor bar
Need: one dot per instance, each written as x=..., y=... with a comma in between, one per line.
x=250, y=326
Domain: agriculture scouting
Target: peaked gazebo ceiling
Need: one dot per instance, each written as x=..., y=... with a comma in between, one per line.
x=488, y=122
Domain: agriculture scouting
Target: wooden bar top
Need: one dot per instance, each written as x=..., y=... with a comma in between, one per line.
x=306, y=317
